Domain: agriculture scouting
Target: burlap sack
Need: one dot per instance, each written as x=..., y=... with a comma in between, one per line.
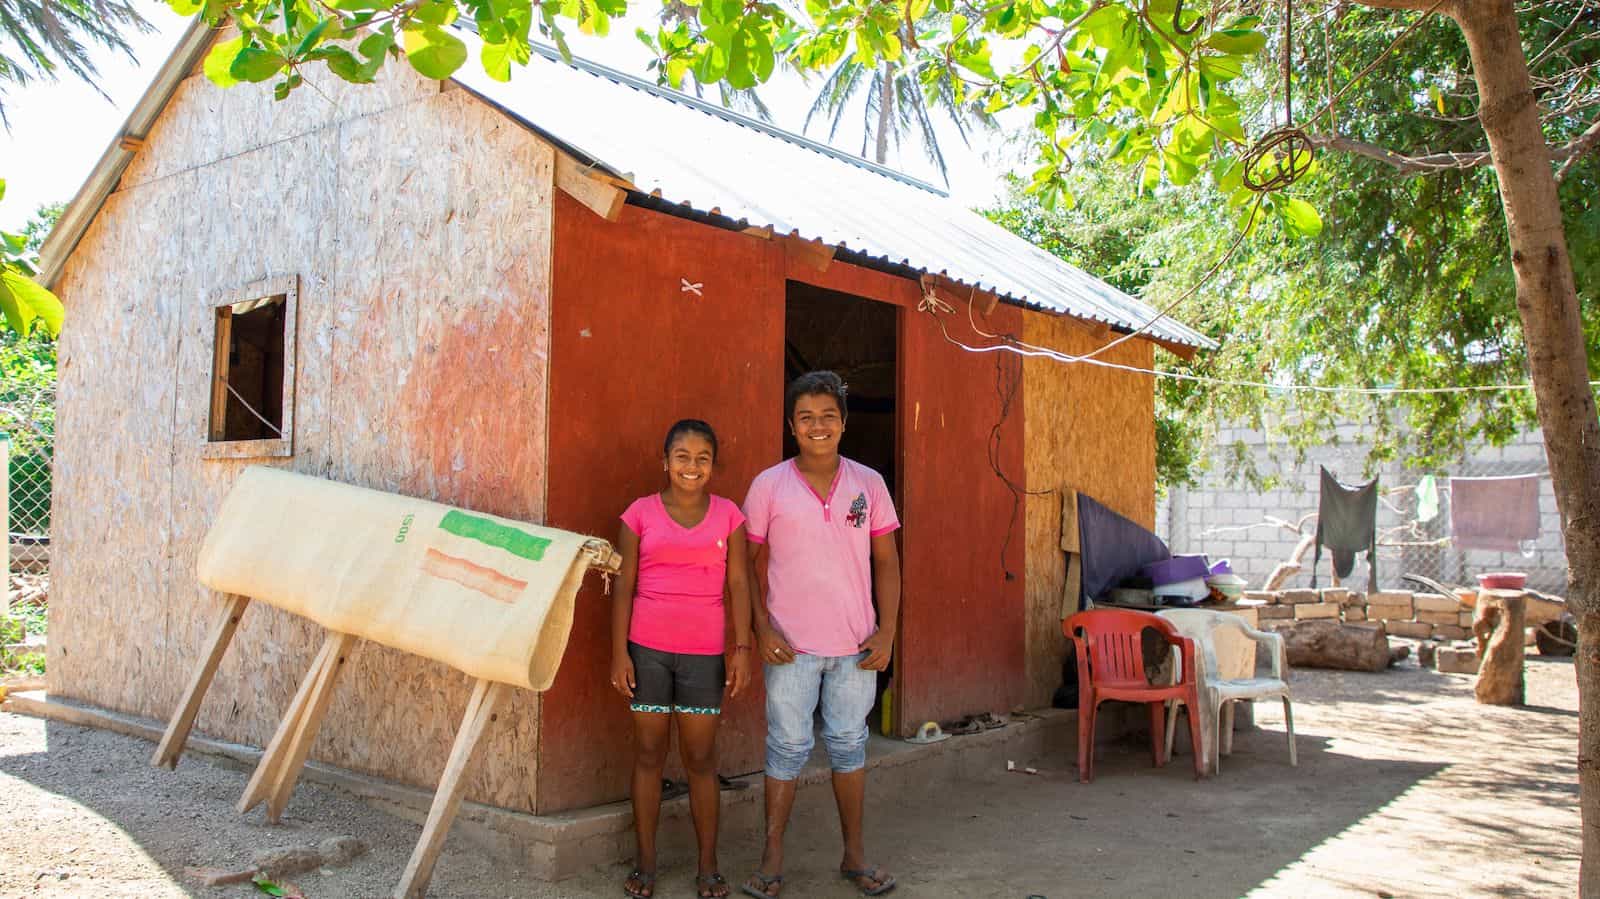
x=489, y=596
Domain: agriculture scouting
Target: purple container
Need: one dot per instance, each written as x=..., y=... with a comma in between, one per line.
x=1175, y=569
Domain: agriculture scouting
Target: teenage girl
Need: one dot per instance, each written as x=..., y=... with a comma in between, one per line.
x=680, y=548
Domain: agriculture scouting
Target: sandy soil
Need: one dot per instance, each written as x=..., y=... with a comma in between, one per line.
x=1405, y=787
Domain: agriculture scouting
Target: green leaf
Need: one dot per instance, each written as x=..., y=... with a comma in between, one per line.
x=497, y=61
x=434, y=52
x=711, y=64
x=1221, y=68
x=255, y=65
x=763, y=58
x=265, y=885
x=1437, y=97
x=1301, y=216
x=22, y=301
x=186, y=7
x=436, y=12
x=1105, y=26
x=311, y=38
x=1236, y=41
x=2, y=188
x=219, y=62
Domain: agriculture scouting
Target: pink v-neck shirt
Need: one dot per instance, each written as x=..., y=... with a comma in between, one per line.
x=819, y=553
x=677, y=597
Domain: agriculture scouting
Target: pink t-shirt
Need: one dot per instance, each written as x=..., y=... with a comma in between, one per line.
x=819, y=553
x=677, y=599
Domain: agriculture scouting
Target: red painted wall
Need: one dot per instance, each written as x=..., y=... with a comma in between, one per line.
x=631, y=352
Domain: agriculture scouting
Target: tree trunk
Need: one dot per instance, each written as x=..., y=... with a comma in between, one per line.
x=1547, y=301
x=885, y=113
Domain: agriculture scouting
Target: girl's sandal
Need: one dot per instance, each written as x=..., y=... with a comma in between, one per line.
x=884, y=880
x=646, y=885
x=767, y=881
x=707, y=886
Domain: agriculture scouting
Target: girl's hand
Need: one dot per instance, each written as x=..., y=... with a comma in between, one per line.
x=622, y=675
x=738, y=672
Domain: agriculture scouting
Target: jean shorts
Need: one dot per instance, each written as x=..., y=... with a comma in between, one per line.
x=846, y=693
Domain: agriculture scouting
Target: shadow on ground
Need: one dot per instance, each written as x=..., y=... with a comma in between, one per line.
x=1404, y=786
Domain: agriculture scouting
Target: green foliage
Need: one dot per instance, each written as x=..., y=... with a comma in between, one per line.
x=22, y=301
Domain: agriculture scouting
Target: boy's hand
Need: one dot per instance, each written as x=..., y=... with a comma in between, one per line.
x=879, y=649
x=774, y=649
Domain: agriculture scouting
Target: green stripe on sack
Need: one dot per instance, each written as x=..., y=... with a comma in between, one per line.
x=518, y=543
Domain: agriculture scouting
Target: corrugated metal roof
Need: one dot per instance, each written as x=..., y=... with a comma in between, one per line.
x=714, y=161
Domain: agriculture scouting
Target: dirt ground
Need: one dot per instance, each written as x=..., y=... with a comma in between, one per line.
x=1405, y=787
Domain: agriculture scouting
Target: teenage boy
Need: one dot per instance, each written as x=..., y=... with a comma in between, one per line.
x=822, y=528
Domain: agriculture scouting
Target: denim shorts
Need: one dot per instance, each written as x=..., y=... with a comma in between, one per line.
x=846, y=693
x=676, y=681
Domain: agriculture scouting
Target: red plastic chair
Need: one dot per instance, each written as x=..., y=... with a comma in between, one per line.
x=1110, y=655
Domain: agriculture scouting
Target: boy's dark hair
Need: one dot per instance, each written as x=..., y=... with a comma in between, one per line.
x=815, y=383
x=690, y=426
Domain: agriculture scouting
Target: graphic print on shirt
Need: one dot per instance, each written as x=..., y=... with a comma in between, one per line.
x=858, y=511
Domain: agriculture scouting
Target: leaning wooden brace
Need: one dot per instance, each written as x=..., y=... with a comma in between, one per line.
x=489, y=596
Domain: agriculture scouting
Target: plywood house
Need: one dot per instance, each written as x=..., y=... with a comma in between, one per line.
x=499, y=297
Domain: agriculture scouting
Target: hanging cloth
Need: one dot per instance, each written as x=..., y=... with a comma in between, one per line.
x=1347, y=523
x=1494, y=514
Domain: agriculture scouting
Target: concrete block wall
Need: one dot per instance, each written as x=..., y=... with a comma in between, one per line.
x=1226, y=518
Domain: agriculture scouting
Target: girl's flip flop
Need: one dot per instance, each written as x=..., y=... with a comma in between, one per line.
x=872, y=872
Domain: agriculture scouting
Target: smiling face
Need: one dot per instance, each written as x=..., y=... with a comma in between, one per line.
x=689, y=461
x=817, y=424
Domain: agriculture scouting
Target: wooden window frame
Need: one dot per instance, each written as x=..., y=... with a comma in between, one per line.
x=219, y=309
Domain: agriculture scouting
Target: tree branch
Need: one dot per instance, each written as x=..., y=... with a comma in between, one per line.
x=1583, y=143
x=1416, y=5
x=1567, y=154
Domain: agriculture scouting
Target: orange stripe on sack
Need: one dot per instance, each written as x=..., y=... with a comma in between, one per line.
x=473, y=576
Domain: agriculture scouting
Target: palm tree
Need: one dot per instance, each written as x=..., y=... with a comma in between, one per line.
x=896, y=106
x=38, y=37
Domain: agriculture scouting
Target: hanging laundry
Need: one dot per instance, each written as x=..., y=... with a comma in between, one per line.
x=1494, y=514
x=1427, y=499
x=1347, y=523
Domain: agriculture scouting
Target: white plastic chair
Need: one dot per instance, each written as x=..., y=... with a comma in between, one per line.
x=1226, y=656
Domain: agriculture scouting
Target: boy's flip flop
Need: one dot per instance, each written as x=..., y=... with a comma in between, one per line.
x=885, y=880
x=767, y=882
x=645, y=881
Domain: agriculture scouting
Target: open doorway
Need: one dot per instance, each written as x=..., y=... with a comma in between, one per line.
x=858, y=339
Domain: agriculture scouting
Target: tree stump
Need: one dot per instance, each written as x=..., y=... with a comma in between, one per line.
x=1498, y=622
x=1324, y=643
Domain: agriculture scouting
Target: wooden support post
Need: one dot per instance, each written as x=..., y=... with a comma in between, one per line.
x=274, y=774
x=294, y=760
x=171, y=746
x=447, y=799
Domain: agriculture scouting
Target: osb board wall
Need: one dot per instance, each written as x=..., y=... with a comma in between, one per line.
x=418, y=223
x=1089, y=428
x=632, y=352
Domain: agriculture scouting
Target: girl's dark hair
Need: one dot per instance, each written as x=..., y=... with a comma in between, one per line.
x=690, y=426
x=815, y=383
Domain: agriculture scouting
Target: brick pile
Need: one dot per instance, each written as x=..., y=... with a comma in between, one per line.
x=1420, y=616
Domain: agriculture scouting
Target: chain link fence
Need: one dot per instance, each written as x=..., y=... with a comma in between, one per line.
x=28, y=417
x=1259, y=529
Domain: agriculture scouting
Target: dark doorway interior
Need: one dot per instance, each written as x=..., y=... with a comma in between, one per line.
x=855, y=337
x=858, y=339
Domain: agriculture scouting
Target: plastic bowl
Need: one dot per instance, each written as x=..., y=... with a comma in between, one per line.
x=1503, y=580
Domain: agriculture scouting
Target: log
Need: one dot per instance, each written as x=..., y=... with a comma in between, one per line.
x=1321, y=643
x=1498, y=623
